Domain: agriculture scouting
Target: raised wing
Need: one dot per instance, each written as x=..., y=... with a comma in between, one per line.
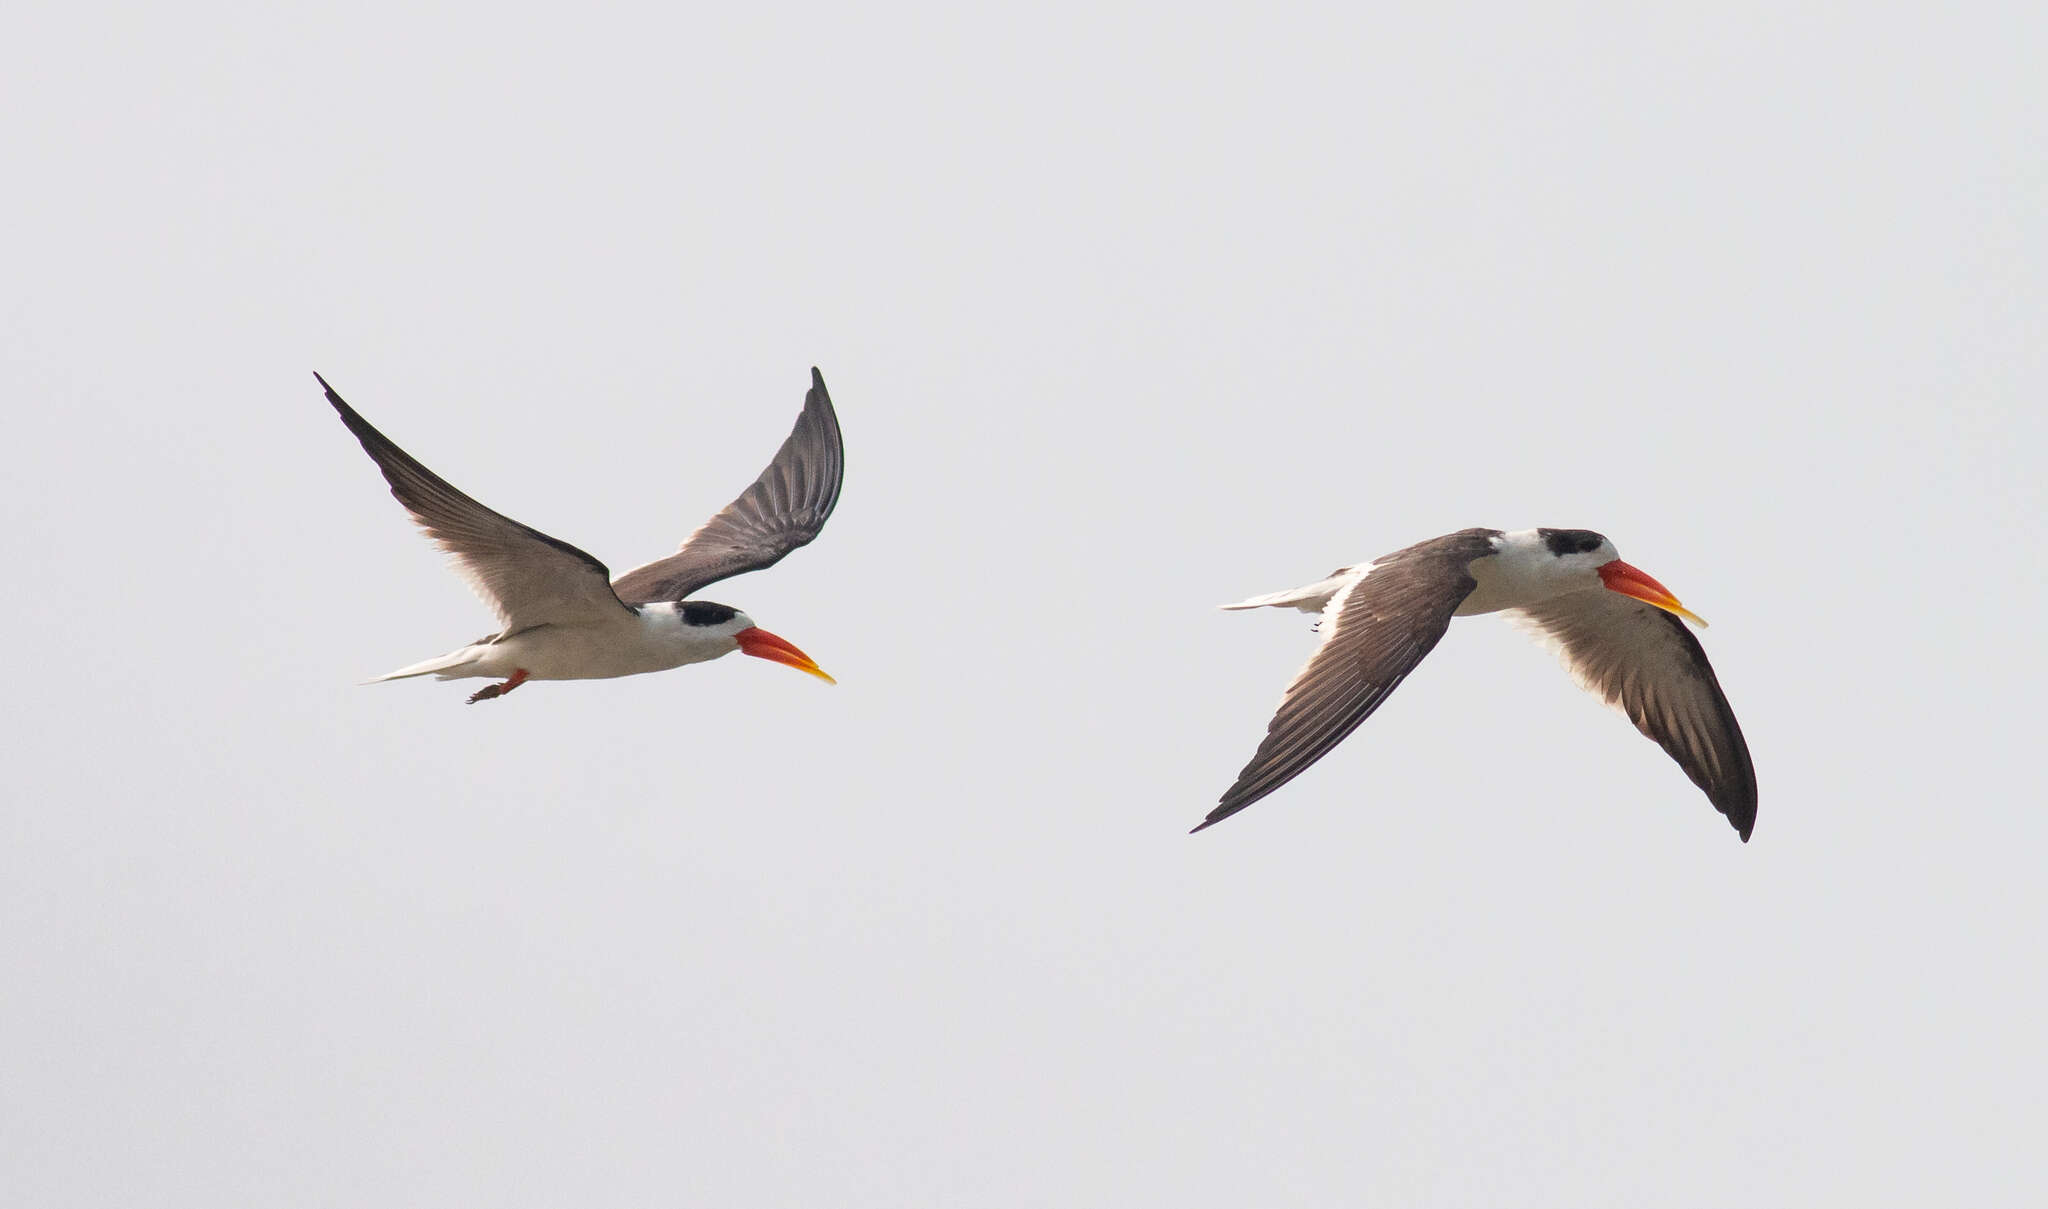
x=1375, y=630
x=1645, y=662
x=527, y=577
x=784, y=509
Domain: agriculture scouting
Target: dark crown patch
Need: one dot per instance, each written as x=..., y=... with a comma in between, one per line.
x=1570, y=541
x=703, y=612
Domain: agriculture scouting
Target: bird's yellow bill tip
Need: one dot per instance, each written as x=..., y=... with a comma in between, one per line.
x=761, y=644
x=1639, y=585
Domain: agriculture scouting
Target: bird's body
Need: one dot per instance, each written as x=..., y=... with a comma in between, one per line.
x=1617, y=629
x=563, y=616
x=643, y=638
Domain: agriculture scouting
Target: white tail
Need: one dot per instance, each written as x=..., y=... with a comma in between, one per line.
x=1309, y=599
x=448, y=665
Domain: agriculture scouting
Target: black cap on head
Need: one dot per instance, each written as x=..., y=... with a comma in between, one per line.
x=1570, y=541
x=703, y=612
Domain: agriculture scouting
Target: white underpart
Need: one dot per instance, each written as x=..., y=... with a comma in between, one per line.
x=1523, y=572
x=653, y=638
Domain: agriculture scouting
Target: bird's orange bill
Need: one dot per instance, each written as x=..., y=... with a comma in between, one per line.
x=761, y=644
x=1622, y=578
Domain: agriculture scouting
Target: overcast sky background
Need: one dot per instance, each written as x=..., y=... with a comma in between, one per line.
x=1127, y=311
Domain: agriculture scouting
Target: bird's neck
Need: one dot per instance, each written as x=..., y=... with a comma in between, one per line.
x=1516, y=575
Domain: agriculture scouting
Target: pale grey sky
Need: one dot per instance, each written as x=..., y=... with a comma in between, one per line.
x=1128, y=311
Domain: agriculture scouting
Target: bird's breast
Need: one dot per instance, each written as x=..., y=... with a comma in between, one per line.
x=602, y=652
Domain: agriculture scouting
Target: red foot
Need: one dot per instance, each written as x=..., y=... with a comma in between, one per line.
x=499, y=690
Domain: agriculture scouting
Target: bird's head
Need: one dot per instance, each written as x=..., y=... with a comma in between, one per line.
x=728, y=629
x=1584, y=554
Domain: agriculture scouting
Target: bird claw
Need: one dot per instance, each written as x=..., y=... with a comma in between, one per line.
x=498, y=690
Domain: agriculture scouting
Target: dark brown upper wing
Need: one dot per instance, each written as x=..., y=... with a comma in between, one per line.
x=527, y=577
x=784, y=509
x=1374, y=633
x=1646, y=662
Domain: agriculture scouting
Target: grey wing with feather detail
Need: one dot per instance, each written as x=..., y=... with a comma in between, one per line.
x=527, y=577
x=784, y=509
x=1374, y=633
x=1645, y=662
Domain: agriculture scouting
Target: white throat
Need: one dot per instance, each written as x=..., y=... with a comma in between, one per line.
x=1524, y=572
